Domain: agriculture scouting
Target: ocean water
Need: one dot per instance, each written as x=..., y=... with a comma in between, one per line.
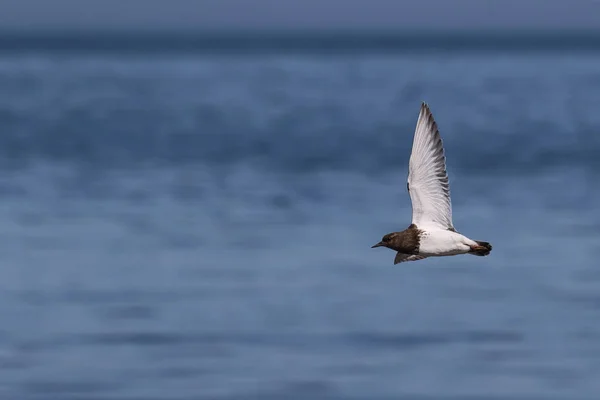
x=197, y=224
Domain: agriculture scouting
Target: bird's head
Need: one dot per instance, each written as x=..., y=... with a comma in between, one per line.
x=386, y=241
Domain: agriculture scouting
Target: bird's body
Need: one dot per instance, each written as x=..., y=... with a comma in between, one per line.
x=431, y=233
x=439, y=242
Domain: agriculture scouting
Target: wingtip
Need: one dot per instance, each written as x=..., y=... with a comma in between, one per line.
x=425, y=108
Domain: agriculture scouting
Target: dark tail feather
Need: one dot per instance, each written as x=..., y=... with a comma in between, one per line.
x=482, y=249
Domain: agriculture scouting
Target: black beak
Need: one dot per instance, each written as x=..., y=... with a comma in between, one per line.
x=377, y=245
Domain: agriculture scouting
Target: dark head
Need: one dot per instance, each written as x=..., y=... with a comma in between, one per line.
x=386, y=241
x=406, y=242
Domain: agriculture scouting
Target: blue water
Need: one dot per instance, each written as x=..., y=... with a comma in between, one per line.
x=198, y=226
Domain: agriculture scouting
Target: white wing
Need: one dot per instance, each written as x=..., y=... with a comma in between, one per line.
x=427, y=178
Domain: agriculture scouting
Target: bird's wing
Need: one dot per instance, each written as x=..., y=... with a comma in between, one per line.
x=400, y=257
x=427, y=178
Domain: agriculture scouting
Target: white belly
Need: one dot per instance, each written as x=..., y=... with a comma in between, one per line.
x=443, y=243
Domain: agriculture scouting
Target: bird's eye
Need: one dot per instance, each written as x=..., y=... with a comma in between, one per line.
x=386, y=239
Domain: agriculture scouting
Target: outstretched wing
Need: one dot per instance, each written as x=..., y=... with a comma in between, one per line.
x=400, y=257
x=427, y=178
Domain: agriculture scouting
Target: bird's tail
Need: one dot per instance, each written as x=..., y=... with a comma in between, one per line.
x=482, y=249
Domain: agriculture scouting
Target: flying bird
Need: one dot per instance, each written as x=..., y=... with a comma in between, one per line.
x=431, y=233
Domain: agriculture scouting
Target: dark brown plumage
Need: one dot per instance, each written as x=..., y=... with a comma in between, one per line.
x=406, y=242
x=483, y=249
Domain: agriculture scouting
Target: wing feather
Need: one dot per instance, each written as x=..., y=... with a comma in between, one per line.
x=428, y=184
x=400, y=257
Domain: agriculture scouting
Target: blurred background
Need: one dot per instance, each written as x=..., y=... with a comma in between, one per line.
x=190, y=189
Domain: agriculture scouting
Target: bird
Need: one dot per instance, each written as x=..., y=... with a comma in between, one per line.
x=431, y=232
